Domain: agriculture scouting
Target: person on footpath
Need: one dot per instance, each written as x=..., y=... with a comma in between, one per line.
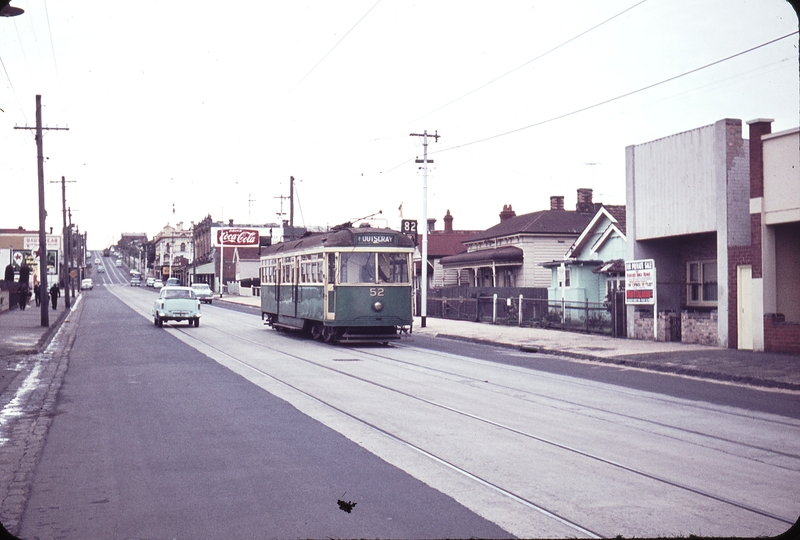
x=55, y=292
x=23, y=297
x=24, y=283
x=37, y=293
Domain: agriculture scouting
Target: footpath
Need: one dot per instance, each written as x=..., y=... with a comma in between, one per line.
x=21, y=333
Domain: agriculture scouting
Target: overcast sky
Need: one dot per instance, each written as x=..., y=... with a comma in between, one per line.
x=208, y=107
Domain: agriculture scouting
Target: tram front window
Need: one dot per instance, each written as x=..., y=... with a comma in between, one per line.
x=361, y=268
x=357, y=268
x=393, y=268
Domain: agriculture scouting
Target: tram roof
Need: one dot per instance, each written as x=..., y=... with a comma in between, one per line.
x=341, y=238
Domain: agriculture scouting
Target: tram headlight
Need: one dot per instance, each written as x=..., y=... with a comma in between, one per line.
x=377, y=306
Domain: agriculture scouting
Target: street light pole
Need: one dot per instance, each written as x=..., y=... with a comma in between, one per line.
x=424, y=279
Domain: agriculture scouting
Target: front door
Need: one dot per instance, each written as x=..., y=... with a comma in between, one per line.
x=744, y=302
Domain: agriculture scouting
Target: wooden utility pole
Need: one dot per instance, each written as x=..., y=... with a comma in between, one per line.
x=65, y=268
x=42, y=212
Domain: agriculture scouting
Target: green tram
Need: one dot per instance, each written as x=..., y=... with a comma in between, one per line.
x=351, y=285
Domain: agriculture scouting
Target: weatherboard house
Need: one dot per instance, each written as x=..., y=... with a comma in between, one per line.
x=720, y=217
x=594, y=265
x=510, y=253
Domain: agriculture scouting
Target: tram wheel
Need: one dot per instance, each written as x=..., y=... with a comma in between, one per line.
x=316, y=331
x=329, y=334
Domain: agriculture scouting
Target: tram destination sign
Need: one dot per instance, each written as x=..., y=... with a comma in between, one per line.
x=375, y=239
x=640, y=282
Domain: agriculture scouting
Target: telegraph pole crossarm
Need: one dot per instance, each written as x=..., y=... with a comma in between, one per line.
x=424, y=277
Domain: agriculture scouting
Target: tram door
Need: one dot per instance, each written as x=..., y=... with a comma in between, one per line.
x=330, y=290
x=286, y=287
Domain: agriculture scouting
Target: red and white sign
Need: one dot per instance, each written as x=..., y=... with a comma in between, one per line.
x=640, y=282
x=237, y=237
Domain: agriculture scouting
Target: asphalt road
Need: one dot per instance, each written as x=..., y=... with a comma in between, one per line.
x=152, y=439
x=233, y=430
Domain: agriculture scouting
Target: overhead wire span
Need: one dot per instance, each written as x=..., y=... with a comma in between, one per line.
x=570, y=40
x=628, y=94
x=330, y=51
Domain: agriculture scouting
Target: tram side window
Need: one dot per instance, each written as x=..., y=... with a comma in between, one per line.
x=357, y=268
x=331, y=266
x=392, y=267
x=288, y=270
x=268, y=272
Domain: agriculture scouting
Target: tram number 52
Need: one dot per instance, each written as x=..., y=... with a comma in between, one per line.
x=376, y=291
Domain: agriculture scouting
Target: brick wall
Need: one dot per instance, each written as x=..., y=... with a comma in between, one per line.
x=699, y=327
x=781, y=336
x=643, y=325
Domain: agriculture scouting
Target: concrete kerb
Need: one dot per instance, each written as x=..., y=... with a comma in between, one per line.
x=632, y=363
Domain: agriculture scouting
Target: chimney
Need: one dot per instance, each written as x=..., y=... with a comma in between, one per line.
x=448, y=223
x=585, y=204
x=557, y=202
x=431, y=224
x=230, y=223
x=507, y=213
x=758, y=127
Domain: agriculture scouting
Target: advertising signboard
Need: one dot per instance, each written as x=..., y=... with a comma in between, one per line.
x=236, y=237
x=640, y=282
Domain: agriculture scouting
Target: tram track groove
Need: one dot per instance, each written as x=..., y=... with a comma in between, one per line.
x=589, y=455
x=192, y=335
x=610, y=412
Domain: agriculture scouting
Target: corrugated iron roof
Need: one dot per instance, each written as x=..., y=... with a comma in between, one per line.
x=542, y=222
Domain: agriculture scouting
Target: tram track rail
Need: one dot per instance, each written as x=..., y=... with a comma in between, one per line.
x=500, y=425
x=191, y=335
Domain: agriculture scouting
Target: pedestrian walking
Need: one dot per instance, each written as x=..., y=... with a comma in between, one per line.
x=37, y=293
x=55, y=292
x=23, y=297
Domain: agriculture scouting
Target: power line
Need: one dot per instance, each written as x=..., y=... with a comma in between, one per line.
x=531, y=61
x=330, y=51
x=565, y=115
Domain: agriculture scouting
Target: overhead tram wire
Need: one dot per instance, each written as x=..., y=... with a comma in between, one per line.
x=53, y=51
x=628, y=94
x=329, y=52
x=595, y=27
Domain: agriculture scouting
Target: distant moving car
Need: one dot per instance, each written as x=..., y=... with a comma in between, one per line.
x=136, y=281
x=87, y=284
x=101, y=269
x=118, y=263
x=176, y=304
x=203, y=292
x=173, y=282
x=97, y=261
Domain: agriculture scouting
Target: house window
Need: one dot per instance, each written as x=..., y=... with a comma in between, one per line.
x=701, y=283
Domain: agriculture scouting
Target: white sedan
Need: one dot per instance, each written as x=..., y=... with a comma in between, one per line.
x=87, y=284
x=176, y=304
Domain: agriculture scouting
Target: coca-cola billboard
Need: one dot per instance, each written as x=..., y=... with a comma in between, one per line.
x=237, y=237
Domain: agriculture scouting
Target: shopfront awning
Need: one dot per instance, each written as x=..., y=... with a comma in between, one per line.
x=207, y=268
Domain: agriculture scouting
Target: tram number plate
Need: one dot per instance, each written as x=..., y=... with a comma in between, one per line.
x=376, y=291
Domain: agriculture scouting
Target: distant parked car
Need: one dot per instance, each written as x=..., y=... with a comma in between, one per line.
x=176, y=304
x=150, y=282
x=87, y=284
x=203, y=292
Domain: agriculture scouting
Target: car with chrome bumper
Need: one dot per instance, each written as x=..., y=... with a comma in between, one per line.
x=176, y=304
